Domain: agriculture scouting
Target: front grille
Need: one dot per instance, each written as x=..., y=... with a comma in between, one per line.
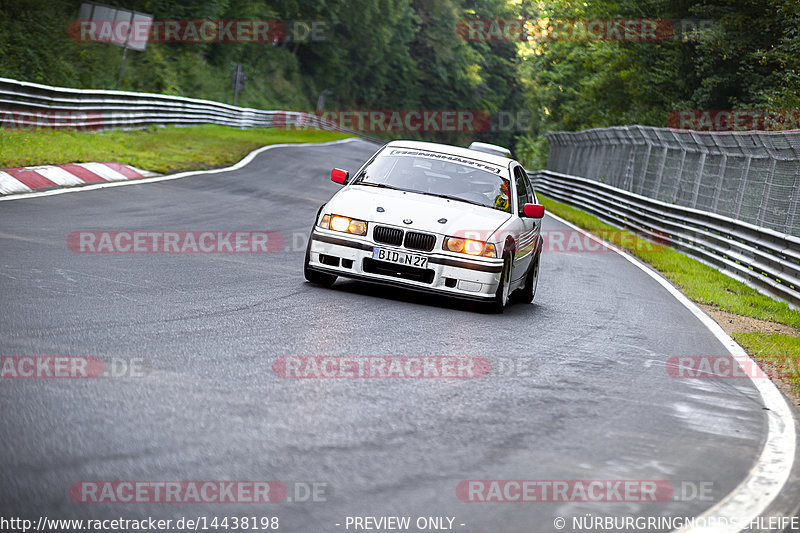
x=387, y=235
x=420, y=241
x=424, y=275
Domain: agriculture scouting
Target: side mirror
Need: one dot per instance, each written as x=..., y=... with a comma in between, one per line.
x=339, y=176
x=534, y=210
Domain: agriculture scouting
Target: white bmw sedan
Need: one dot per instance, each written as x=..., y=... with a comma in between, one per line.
x=433, y=218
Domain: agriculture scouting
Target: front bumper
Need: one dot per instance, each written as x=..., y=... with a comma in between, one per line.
x=462, y=277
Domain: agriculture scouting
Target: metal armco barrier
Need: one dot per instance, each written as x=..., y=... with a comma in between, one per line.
x=752, y=176
x=31, y=105
x=764, y=258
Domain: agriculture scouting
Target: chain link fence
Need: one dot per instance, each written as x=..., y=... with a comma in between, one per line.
x=753, y=177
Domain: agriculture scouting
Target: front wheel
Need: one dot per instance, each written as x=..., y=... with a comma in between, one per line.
x=501, y=297
x=531, y=281
x=314, y=276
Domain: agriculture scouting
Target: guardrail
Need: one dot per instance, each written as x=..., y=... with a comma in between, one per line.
x=753, y=176
x=764, y=258
x=32, y=105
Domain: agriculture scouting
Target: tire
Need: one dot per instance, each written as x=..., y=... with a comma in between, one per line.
x=502, y=296
x=314, y=276
x=526, y=294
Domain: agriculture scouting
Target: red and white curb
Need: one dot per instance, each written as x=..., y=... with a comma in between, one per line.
x=28, y=179
x=158, y=178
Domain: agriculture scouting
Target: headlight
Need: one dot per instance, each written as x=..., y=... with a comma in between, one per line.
x=344, y=224
x=469, y=247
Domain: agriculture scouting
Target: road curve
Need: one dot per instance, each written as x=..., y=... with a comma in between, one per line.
x=578, y=389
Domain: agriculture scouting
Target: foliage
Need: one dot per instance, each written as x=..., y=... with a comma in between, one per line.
x=407, y=54
x=746, y=57
x=374, y=54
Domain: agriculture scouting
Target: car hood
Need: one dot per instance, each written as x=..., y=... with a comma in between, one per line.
x=362, y=202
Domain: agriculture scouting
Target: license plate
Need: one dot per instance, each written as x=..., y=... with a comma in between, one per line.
x=401, y=258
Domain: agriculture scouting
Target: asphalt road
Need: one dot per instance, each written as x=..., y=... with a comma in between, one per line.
x=578, y=388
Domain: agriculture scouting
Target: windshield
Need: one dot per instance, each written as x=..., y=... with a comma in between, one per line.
x=435, y=174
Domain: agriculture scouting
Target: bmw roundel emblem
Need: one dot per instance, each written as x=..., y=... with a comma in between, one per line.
x=407, y=221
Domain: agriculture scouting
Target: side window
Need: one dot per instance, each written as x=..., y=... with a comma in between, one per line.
x=523, y=196
x=531, y=192
x=523, y=190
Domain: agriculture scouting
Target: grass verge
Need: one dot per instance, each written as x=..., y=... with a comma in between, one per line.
x=778, y=354
x=706, y=285
x=165, y=150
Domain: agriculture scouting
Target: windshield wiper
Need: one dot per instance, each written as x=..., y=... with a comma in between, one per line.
x=456, y=198
x=381, y=185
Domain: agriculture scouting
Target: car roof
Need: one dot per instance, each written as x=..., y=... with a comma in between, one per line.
x=490, y=148
x=453, y=150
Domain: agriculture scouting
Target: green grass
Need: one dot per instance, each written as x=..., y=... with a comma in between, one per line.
x=163, y=150
x=779, y=350
x=699, y=282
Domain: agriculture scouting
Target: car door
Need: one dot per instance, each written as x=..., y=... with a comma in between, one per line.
x=536, y=224
x=526, y=241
